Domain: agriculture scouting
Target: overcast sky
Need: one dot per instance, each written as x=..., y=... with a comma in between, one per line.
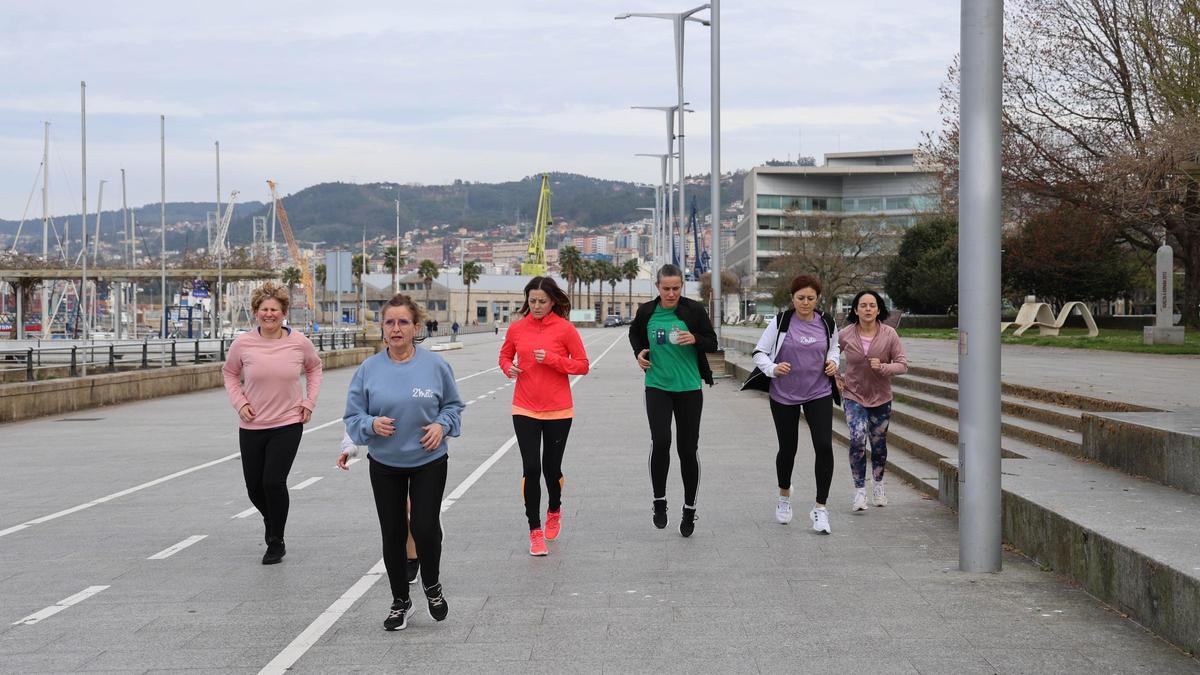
x=305, y=92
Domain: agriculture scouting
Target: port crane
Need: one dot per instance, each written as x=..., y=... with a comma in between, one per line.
x=293, y=248
x=535, y=258
x=700, y=262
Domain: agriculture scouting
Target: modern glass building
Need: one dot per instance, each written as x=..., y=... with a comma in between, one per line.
x=887, y=189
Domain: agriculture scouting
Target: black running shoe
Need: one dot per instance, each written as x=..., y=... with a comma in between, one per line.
x=660, y=513
x=275, y=552
x=397, y=618
x=414, y=566
x=687, y=524
x=438, y=609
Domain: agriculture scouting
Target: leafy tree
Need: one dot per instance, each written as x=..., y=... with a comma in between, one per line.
x=428, y=271
x=612, y=274
x=587, y=274
x=321, y=275
x=471, y=272
x=291, y=277
x=570, y=261
x=630, y=271
x=392, y=262
x=1062, y=255
x=923, y=277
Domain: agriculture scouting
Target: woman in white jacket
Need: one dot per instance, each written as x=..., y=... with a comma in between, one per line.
x=799, y=353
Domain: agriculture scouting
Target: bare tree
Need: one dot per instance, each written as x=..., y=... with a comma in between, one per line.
x=846, y=254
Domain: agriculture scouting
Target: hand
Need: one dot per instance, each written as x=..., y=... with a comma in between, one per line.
x=305, y=415
x=539, y=355
x=830, y=368
x=383, y=426
x=246, y=413
x=432, y=438
x=643, y=359
x=341, y=461
x=782, y=368
x=513, y=371
x=875, y=364
x=685, y=338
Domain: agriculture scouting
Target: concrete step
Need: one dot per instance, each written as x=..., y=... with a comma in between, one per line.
x=1068, y=441
x=1017, y=406
x=945, y=429
x=1066, y=399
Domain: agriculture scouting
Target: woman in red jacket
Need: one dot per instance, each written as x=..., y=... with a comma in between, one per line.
x=540, y=351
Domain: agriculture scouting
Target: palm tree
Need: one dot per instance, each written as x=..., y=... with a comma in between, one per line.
x=471, y=271
x=587, y=270
x=612, y=274
x=569, y=261
x=322, y=273
x=392, y=262
x=630, y=271
x=291, y=276
x=428, y=271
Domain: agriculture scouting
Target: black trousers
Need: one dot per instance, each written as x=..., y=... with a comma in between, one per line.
x=394, y=488
x=542, y=444
x=819, y=416
x=685, y=407
x=267, y=456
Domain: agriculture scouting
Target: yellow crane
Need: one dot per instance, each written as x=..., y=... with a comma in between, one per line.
x=298, y=259
x=535, y=258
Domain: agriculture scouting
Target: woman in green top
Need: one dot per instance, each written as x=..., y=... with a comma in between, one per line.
x=670, y=336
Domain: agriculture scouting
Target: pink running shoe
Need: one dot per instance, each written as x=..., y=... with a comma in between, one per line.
x=553, y=524
x=537, y=543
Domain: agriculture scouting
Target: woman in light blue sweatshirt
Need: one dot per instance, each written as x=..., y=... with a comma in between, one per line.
x=403, y=404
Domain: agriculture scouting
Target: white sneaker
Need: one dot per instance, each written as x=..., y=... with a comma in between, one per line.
x=783, y=510
x=860, y=500
x=820, y=519
x=877, y=494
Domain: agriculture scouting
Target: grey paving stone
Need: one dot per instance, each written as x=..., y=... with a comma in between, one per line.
x=1020, y=660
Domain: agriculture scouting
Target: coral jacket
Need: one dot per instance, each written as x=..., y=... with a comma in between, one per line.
x=543, y=386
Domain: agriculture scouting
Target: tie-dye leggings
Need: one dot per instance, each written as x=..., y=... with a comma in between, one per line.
x=867, y=424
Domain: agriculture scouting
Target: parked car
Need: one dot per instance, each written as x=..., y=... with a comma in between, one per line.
x=612, y=320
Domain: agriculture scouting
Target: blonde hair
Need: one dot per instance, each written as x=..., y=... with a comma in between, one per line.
x=270, y=291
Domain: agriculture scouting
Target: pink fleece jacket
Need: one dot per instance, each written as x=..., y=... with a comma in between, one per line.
x=867, y=387
x=271, y=370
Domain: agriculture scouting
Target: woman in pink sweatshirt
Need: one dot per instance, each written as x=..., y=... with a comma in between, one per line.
x=262, y=378
x=872, y=354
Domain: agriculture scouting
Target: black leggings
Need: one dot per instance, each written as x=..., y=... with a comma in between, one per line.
x=819, y=416
x=394, y=487
x=686, y=407
x=542, y=445
x=267, y=456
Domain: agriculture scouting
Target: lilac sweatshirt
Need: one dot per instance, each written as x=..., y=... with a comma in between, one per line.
x=271, y=370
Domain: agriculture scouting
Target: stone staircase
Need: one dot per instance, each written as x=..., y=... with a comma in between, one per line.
x=1130, y=541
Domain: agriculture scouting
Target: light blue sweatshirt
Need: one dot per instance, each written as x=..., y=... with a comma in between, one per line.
x=414, y=393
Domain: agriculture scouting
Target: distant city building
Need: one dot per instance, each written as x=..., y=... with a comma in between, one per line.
x=886, y=186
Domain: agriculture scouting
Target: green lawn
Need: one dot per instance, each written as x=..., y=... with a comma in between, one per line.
x=1075, y=338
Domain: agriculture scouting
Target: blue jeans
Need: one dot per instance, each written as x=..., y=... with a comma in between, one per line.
x=867, y=424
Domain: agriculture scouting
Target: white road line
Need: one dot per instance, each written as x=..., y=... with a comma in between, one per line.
x=246, y=514
x=303, y=484
x=172, y=550
x=309, y=637
x=60, y=606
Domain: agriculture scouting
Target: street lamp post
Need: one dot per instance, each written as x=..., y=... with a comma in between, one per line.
x=678, y=21
x=668, y=181
x=715, y=170
x=660, y=218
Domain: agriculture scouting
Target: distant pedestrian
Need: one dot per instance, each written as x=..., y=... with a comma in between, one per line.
x=799, y=352
x=540, y=351
x=873, y=355
x=497, y=326
x=454, y=328
x=262, y=377
x=402, y=404
x=670, y=336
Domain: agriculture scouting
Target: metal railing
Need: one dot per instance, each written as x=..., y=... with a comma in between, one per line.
x=46, y=359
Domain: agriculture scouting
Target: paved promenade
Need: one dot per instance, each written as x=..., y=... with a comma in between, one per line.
x=121, y=551
x=1163, y=381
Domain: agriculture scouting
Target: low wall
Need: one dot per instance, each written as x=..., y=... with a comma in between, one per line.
x=27, y=400
x=1162, y=446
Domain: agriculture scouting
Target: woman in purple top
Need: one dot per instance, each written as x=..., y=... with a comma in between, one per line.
x=799, y=352
x=873, y=355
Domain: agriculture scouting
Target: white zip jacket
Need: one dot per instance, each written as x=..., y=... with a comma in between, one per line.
x=768, y=346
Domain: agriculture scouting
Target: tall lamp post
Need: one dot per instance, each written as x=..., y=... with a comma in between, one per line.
x=660, y=218
x=678, y=21
x=715, y=169
x=668, y=180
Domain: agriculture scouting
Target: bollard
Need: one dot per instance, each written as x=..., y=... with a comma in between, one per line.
x=320, y=343
x=222, y=350
x=196, y=358
x=29, y=365
x=112, y=359
x=173, y=361
x=145, y=354
x=74, y=370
